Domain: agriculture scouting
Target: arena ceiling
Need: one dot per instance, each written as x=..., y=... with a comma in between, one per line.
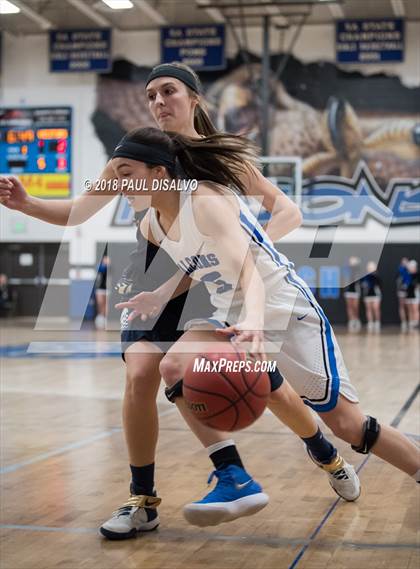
x=37, y=16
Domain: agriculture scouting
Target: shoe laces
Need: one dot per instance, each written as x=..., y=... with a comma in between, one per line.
x=340, y=474
x=123, y=511
x=224, y=477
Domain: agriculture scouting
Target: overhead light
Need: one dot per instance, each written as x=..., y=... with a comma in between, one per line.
x=398, y=7
x=336, y=11
x=119, y=4
x=7, y=7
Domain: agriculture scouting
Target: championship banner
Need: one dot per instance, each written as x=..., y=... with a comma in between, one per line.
x=80, y=50
x=370, y=41
x=200, y=47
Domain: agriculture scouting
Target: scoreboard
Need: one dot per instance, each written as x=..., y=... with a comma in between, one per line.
x=35, y=146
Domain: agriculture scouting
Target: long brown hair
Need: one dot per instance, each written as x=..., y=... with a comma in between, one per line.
x=221, y=158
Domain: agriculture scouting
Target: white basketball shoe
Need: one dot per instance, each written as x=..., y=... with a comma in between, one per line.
x=342, y=477
x=138, y=514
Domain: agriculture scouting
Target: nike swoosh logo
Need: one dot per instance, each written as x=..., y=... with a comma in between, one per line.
x=240, y=486
x=302, y=317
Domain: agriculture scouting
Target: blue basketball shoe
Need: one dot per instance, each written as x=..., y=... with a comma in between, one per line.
x=236, y=494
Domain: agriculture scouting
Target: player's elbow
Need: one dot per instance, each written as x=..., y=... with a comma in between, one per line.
x=296, y=217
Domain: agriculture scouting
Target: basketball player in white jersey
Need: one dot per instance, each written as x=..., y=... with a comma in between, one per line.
x=222, y=242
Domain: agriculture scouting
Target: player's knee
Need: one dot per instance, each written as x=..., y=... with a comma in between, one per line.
x=138, y=384
x=284, y=396
x=171, y=369
x=347, y=429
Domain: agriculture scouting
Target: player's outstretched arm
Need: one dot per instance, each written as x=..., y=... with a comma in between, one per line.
x=74, y=211
x=285, y=215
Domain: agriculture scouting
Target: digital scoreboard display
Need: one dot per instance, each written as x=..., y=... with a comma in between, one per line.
x=35, y=146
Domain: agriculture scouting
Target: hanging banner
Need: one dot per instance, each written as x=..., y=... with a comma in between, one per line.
x=200, y=47
x=80, y=50
x=370, y=41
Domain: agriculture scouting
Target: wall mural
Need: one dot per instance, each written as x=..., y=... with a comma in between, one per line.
x=357, y=135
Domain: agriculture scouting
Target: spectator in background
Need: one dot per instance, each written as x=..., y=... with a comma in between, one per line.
x=101, y=293
x=6, y=299
x=412, y=295
x=372, y=295
x=403, y=279
x=352, y=294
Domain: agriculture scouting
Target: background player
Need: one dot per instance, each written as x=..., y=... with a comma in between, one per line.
x=101, y=293
x=352, y=294
x=412, y=297
x=403, y=278
x=372, y=295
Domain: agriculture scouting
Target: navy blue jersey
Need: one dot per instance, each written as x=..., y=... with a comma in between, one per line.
x=371, y=285
x=101, y=277
x=412, y=285
x=351, y=275
x=150, y=267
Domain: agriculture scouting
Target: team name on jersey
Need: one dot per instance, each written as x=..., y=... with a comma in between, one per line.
x=191, y=264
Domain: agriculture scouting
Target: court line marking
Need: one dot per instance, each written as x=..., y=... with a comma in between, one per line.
x=24, y=391
x=396, y=421
x=405, y=407
x=72, y=446
x=276, y=433
x=106, y=434
x=172, y=535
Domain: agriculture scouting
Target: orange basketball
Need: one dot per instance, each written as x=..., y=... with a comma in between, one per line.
x=223, y=390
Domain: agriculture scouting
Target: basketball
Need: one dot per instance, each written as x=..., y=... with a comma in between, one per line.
x=223, y=390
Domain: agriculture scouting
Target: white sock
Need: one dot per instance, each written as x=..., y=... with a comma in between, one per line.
x=218, y=446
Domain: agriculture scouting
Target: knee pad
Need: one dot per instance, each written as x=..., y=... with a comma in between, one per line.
x=371, y=430
x=174, y=391
x=276, y=379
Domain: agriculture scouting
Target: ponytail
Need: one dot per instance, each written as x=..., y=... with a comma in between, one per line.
x=221, y=158
x=202, y=122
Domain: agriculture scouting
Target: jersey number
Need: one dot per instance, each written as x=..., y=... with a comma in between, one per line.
x=214, y=278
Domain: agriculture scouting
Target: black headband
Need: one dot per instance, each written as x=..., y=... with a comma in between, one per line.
x=144, y=153
x=169, y=70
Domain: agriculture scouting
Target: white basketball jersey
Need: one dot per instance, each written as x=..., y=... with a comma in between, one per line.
x=297, y=333
x=202, y=258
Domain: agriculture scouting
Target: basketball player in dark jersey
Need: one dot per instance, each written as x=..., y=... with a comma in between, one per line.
x=352, y=294
x=371, y=286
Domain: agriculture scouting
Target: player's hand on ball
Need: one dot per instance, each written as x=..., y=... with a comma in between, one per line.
x=252, y=340
x=12, y=193
x=144, y=305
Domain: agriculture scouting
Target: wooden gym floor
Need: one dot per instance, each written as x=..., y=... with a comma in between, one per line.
x=64, y=470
